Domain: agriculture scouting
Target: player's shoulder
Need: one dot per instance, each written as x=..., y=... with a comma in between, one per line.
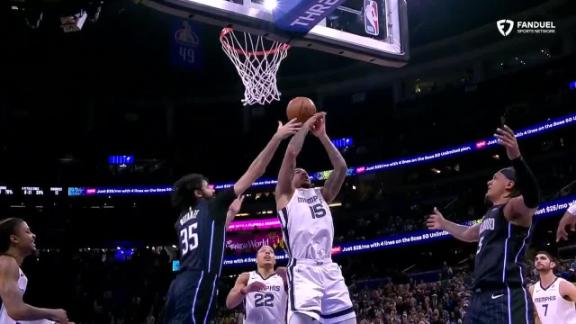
x=8, y=265
x=561, y=281
x=7, y=260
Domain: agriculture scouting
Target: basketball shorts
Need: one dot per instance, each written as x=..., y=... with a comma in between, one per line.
x=191, y=298
x=495, y=306
x=316, y=288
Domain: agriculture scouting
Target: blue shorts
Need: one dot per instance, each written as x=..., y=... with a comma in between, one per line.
x=191, y=298
x=500, y=306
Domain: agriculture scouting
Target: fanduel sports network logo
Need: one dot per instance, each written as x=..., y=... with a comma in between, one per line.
x=303, y=15
x=505, y=26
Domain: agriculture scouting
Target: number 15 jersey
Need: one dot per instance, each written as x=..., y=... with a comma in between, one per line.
x=307, y=225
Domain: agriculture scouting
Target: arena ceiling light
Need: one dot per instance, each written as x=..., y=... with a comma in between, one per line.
x=270, y=4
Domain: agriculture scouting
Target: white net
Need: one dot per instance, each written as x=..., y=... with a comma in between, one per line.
x=257, y=61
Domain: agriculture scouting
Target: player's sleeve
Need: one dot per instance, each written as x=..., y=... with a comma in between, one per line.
x=219, y=206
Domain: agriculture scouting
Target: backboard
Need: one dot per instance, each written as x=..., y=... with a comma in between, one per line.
x=374, y=31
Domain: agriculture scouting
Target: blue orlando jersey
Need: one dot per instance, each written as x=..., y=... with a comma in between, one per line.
x=500, y=251
x=201, y=232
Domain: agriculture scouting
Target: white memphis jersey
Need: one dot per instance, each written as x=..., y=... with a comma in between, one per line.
x=307, y=225
x=22, y=283
x=553, y=308
x=266, y=306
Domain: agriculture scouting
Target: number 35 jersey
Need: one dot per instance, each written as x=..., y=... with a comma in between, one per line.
x=307, y=225
x=268, y=305
x=201, y=233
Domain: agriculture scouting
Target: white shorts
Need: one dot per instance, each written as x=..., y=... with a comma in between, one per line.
x=317, y=289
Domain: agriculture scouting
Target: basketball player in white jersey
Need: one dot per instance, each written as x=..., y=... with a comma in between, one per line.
x=263, y=291
x=554, y=298
x=16, y=243
x=316, y=287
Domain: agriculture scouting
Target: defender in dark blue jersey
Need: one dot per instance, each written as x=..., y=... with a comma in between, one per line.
x=499, y=292
x=201, y=229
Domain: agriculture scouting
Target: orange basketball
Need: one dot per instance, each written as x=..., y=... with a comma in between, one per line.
x=300, y=108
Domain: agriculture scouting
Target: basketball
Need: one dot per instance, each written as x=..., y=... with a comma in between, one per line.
x=300, y=108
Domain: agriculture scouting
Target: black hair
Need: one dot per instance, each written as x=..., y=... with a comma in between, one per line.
x=8, y=227
x=546, y=253
x=510, y=174
x=183, y=191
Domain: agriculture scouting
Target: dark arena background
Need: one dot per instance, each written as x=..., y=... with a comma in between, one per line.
x=97, y=121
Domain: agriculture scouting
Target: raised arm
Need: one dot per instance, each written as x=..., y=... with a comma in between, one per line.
x=259, y=165
x=338, y=175
x=520, y=209
x=233, y=210
x=12, y=297
x=461, y=232
x=284, y=188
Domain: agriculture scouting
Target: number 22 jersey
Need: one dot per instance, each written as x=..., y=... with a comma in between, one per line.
x=268, y=305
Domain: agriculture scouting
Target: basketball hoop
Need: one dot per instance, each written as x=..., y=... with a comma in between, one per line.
x=257, y=61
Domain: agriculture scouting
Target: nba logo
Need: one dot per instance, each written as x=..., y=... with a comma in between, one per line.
x=371, y=22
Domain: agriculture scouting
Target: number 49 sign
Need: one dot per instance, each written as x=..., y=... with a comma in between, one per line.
x=185, y=45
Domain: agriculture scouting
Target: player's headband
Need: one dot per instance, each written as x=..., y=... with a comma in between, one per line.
x=509, y=173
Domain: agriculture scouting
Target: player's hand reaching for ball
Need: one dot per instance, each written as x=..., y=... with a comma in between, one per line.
x=436, y=220
x=289, y=129
x=318, y=128
x=255, y=286
x=310, y=124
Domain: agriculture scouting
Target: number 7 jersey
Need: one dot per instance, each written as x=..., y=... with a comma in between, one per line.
x=307, y=225
x=552, y=308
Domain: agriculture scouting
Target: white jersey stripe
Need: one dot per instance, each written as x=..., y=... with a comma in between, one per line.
x=196, y=296
x=211, y=297
x=521, y=269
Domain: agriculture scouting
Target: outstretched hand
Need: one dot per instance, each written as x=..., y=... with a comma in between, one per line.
x=506, y=138
x=286, y=130
x=567, y=221
x=436, y=220
x=313, y=120
x=318, y=129
x=236, y=205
